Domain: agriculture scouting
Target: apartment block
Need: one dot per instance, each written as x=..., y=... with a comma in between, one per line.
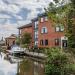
x=44, y=33
x=26, y=29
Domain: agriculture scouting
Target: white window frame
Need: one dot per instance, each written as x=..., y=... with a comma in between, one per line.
x=42, y=30
x=62, y=28
x=36, y=42
x=36, y=24
x=42, y=19
x=36, y=36
x=36, y=32
x=20, y=31
x=57, y=28
x=46, y=18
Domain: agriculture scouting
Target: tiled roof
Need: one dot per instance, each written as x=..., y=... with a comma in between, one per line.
x=24, y=26
x=35, y=19
x=39, y=15
x=42, y=15
x=10, y=37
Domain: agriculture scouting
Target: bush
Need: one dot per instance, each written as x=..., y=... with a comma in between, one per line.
x=59, y=63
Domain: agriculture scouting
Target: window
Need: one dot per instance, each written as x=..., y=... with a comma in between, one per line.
x=46, y=18
x=19, y=31
x=42, y=20
x=36, y=43
x=59, y=28
x=57, y=42
x=64, y=43
x=41, y=42
x=36, y=24
x=46, y=42
x=44, y=30
x=36, y=37
x=13, y=42
x=62, y=28
x=36, y=32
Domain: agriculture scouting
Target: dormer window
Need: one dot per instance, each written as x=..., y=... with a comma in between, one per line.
x=46, y=18
x=42, y=19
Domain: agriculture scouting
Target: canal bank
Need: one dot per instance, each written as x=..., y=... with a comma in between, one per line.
x=25, y=52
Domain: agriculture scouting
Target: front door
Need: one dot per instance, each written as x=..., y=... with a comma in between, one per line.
x=64, y=43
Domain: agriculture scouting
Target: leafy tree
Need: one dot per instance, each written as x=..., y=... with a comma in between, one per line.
x=17, y=40
x=58, y=62
x=61, y=12
x=26, y=39
x=71, y=25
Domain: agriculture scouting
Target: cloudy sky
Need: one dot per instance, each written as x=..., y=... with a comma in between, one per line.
x=14, y=13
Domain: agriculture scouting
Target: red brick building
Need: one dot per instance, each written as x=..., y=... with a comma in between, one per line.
x=10, y=41
x=44, y=34
x=26, y=29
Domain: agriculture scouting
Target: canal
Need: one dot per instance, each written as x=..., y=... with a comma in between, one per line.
x=21, y=66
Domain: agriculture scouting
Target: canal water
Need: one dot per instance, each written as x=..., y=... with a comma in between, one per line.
x=21, y=66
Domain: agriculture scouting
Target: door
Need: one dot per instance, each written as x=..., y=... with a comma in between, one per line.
x=64, y=43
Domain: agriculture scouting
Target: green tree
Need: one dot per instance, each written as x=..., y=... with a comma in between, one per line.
x=17, y=40
x=71, y=25
x=64, y=13
x=26, y=39
x=59, y=63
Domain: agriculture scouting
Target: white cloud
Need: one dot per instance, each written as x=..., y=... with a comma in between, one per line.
x=13, y=7
x=4, y=16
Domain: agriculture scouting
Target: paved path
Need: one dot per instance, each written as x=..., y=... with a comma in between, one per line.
x=34, y=54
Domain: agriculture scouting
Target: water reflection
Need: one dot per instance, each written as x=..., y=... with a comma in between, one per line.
x=1, y=72
x=21, y=66
x=31, y=67
x=6, y=68
x=11, y=73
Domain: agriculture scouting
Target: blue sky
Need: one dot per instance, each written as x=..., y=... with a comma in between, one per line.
x=15, y=13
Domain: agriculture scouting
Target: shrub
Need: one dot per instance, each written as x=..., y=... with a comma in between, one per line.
x=59, y=63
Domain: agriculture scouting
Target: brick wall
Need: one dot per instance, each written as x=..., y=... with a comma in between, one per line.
x=51, y=35
x=10, y=41
x=26, y=30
